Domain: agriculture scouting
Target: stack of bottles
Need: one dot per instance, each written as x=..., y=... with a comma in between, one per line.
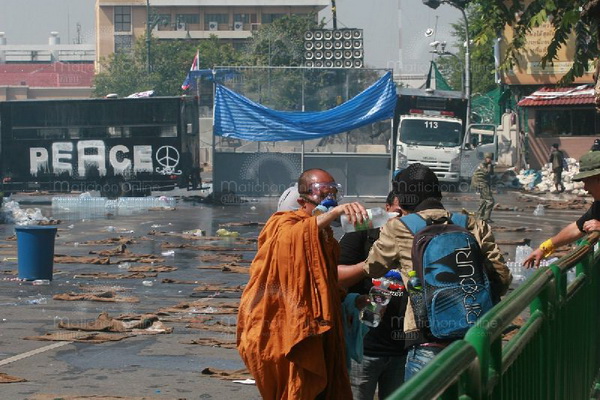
x=84, y=203
x=100, y=204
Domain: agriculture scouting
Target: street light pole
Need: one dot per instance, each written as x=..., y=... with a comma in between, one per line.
x=148, y=36
x=467, y=65
x=460, y=5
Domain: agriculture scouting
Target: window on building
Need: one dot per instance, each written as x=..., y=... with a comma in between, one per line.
x=123, y=43
x=562, y=122
x=188, y=18
x=268, y=18
x=218, y=18
x=164, y=21
x=122, y=19
x=245, y=18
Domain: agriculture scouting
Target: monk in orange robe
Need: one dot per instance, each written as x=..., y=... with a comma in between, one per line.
x=289, y=329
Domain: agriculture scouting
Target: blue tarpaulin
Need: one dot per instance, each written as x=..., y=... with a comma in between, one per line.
x=240, y=118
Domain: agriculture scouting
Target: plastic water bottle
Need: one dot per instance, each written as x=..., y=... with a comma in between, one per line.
x=539, y=210
x=377, y=217
x=521, y=253
x=417, y=300
x=372, y=313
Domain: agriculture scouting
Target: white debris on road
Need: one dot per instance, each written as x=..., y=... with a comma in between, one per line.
x=543, y=180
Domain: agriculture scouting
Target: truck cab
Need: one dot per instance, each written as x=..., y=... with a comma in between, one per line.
x=432, y=138
x=429, y=128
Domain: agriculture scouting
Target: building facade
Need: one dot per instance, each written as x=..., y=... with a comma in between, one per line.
x=120, y=22
x=46, y=71
x=551, y=113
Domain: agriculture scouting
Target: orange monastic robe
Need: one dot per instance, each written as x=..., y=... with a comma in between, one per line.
x=289, y=330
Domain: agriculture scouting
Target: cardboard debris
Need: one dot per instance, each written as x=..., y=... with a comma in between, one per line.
x=168, y=245
x=109, y=241
x=44, y=396
x=218, y=288
x=224, y=258
x=120, y=249
x=231, y=267
x=203, y=306
x=227, y=344
x=110, y=297
x=150, y=268
x=214, y=326
x=208, y=238
x=65, y=259
x=105, y=323
x=103, y=288
x=227, y=374
x=5, y=378
x=141, y=258
x=105, y=275
x=179, y=282
x=228, y=224
x=87, y=337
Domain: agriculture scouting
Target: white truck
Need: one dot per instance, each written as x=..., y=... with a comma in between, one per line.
x=429, y=128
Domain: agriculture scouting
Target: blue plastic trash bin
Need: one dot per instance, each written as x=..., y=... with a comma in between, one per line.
x=35, y=251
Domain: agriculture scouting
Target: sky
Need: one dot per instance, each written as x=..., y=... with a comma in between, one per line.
x=31, y=21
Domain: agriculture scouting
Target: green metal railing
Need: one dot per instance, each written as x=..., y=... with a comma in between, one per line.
x=554, y=355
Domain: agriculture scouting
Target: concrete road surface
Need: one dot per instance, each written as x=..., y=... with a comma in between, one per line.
x=162, y=366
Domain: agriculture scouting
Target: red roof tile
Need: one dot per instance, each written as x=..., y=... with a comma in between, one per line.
x=47, y=75
x=549, y=96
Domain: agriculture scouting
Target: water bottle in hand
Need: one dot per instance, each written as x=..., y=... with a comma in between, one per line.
x=372, y=313
x=377, y=217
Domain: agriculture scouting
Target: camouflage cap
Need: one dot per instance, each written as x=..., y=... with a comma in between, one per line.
x=589, y=165
x=488, y=155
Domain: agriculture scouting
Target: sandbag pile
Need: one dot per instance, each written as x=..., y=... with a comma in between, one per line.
x=543, y=180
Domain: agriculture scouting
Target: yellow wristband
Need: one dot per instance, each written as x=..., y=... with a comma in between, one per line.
x=547, y=247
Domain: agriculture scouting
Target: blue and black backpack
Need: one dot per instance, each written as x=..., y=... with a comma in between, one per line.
x=450, y=264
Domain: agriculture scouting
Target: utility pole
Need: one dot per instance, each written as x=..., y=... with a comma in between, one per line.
x=460, y=5
x=334, y=12
x=148, y=29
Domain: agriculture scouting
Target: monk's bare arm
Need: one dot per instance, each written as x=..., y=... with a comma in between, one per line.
x=349, y=275
x=354, y=211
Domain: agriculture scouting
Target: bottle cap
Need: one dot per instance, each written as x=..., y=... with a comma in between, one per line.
x=376, y=282
x=412, y=273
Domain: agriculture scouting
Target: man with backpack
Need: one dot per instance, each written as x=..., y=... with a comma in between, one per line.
x=460, y=267
x=557, y=159
x=384, y=352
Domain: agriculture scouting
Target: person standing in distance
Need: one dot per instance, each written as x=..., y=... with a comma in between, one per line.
x=482, y=182
x=589, y=174
x=557, y=161
x=384, y=357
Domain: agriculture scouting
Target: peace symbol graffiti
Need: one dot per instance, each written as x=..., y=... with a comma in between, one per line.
x=168, y=158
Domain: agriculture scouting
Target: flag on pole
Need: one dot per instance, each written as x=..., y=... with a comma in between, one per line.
x=187, y=83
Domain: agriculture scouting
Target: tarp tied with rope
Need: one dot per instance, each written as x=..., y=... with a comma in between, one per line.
x=240, y=118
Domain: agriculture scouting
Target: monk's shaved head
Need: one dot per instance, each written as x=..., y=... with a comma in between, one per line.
x=310, y=176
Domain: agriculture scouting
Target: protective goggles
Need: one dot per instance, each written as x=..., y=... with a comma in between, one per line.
x=323, y=190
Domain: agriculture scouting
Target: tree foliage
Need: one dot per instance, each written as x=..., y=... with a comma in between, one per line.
x=482, y=55
x=565, y=17
x=126, y=72
x=280, y=43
